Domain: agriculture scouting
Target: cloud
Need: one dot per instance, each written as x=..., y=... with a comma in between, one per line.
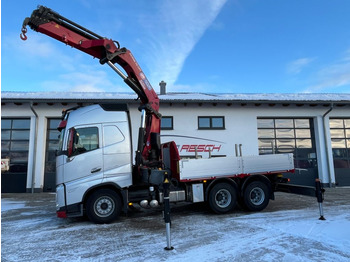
x=296, y=66
x=346, y=57
x=335, y=77
x=70, y=70
x=38, y=50
x=166, y=34
x=86, y=80
x=178, y=27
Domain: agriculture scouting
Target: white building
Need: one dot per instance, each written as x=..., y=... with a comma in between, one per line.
x=316, y=128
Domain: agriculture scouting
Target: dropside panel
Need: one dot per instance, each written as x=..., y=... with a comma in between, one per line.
x=267, y=163
x=197, y=169
x=192, y=169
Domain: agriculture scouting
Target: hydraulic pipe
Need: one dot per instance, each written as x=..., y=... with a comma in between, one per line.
x=167, y=211
x=143, y=118
x=117, y=70
x=141, y=141
x=128, y=81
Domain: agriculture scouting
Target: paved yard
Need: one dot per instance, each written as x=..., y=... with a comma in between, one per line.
x=288, y=230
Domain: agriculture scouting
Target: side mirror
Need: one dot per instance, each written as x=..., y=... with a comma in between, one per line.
x=71, y=137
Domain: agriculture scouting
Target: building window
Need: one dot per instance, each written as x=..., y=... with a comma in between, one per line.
x=284, y=135
x=15, y=143
x=211, y=122
x=167, y=123
x=15, y=135
x=340, y=136
x=295, y=136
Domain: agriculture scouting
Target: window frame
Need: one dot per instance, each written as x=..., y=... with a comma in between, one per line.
x=73, y=141
x=211, y=127
x=171, y=121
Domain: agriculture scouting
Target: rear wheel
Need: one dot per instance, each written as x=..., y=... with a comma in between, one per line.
x=103, y=206
x=222, y=198
x=256, y=196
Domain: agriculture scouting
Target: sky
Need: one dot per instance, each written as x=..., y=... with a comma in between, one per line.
x=206, y=46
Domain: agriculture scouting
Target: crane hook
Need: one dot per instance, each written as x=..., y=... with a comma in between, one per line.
x=23, y=34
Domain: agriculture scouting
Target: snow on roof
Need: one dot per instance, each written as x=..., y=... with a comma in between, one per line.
x=257, y=97
x=178, y=97
x=66, y=96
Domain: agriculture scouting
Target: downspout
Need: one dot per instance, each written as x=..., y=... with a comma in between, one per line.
x=326, y=144
x=34, y=142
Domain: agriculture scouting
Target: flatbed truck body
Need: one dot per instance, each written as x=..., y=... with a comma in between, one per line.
x=101, y=159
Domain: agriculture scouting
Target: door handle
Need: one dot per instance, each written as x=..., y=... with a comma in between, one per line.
x=96, y=169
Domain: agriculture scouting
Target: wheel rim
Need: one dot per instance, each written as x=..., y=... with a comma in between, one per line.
x=104, y=206
x=223, y=198
x=257, y=196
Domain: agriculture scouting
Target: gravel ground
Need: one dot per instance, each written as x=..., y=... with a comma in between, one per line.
x=30, y=231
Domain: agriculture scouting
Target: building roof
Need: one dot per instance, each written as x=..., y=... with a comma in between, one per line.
x=176, y=97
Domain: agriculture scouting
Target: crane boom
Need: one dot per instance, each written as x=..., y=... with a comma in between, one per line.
x=49, y=22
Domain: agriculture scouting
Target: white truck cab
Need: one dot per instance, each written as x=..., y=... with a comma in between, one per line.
x=92, y=154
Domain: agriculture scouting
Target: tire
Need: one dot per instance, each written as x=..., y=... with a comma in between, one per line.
x=222, y=198
x=103, y=206
x=256, y=196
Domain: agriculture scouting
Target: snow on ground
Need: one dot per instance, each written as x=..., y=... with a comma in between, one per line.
x=33, y=233
x=277, y=236
x=7, y=205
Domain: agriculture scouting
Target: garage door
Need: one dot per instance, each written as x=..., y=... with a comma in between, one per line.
x=15, y=146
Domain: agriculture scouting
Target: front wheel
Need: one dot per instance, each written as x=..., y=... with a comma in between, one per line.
x=103, y=206
x=256, y=196
x=222, y=198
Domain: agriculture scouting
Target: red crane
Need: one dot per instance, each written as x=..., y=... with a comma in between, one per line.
x=48, y=22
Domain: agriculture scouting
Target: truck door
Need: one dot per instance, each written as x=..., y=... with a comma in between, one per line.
x=84, y=156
